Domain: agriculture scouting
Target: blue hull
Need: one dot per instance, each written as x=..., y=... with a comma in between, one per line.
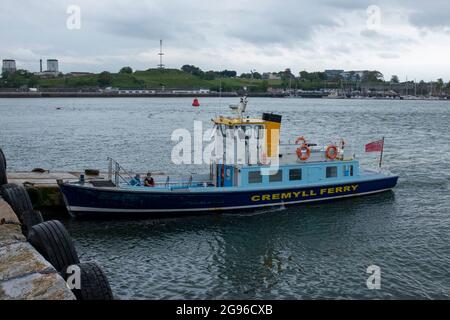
x=84, y=200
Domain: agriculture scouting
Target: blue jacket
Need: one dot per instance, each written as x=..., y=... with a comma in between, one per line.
x=135, y=182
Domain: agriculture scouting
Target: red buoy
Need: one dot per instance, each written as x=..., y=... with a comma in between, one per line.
x=196, y=103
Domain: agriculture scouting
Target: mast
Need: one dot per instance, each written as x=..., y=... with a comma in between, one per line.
x=161, y=54
x=381, y=154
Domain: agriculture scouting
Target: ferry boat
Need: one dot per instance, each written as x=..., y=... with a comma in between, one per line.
x=305, y=172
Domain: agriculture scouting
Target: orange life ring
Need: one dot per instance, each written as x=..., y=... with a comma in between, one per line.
x=331, y=152
x=300, y=139
x=304, y=152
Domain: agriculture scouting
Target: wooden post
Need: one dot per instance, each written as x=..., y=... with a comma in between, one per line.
x=381, y=155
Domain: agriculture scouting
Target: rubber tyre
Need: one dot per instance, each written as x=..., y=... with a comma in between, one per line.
x=53, y=241
x=94, y=283
x=17, y=197
x=92, y=172
x=31, y=218
x=3, y=178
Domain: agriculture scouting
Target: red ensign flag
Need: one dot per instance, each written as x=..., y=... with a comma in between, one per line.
x=376, y=146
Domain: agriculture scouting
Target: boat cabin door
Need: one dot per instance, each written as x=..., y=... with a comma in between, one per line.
x=225, y=174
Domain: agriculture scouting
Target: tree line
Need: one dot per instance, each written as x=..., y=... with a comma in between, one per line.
x=284, y=79
x=208, y=75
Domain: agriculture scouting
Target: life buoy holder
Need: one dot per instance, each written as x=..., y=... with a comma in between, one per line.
x=300, y=139
x=304, y=152
x=331, y=152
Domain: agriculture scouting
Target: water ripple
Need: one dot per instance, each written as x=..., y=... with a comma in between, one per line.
x=310, y=251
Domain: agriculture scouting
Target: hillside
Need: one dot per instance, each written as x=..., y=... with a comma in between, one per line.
x=155, y=79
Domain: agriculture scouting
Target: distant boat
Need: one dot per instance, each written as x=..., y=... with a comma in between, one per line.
x=334, y=95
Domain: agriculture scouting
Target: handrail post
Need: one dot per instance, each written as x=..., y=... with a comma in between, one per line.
x=116, y=175
x=110, y=169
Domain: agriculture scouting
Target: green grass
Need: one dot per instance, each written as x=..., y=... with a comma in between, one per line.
x=237, y=83
x=155, y=79
x=84, y=81
x=170, y=78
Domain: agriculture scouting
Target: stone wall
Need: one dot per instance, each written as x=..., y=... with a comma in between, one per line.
x=24, y=273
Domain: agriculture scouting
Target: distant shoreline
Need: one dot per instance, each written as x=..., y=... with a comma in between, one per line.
x=37, y=95
x=129, y=95
x=104, y=95
x=27, y=95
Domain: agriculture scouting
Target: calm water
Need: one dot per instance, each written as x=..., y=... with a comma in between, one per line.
x=311, y=251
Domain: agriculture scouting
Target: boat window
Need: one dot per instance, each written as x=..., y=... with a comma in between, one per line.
x=331, y=172
x=240, y=130
x=222, y=131
x=248, y=131
x=255, y=177
x=277, y=177
x=260, y=130
x=295, y=174
x=348, y=171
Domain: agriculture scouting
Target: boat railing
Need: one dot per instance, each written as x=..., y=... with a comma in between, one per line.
x=119, y=175
x=183, y=182
x=116, y=171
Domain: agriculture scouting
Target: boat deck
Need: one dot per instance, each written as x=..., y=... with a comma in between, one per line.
x=366, y=175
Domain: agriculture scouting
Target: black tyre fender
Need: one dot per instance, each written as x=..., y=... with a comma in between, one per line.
x=2, y=157
x=31, y=218
x=94, y=283
x=53, y=241
x=17, y=197
x=3, y=178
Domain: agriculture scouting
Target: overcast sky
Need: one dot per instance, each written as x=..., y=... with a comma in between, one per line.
x=410, y=38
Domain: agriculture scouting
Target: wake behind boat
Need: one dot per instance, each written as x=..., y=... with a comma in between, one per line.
x=279, y=175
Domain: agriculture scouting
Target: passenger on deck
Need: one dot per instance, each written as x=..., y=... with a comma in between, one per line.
x=149, y=182
x=136, y=181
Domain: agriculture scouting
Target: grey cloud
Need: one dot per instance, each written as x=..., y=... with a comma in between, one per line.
x=262, y=22
x=127, y=31
x=291, y=22
x=349, y=4
x=389, y=55
x=429, y=14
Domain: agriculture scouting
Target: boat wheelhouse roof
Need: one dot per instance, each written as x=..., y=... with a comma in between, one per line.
x=238, y=121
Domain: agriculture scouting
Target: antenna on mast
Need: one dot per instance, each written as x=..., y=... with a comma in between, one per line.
x=161, y=53
x=240, y=108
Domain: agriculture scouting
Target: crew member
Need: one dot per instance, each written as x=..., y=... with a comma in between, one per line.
x=149, y=182
x=136, y=181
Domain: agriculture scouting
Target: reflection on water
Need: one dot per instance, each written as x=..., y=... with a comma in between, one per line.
x=311, y=251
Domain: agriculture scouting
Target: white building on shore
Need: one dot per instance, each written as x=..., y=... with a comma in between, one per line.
x=271, y=76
